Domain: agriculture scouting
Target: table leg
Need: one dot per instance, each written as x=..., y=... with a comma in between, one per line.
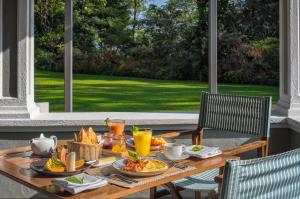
x=174, y=192
x=153, y=193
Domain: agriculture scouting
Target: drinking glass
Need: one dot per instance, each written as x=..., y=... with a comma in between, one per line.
x=142, y=141
x=116, y=127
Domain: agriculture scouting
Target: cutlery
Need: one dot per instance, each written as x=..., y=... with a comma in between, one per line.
x=119, y=177
x=125, y=178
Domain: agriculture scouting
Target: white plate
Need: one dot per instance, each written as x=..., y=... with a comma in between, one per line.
x=119, y=164
x=204, y=153
x=87, y=180
x=182, y=157
x=130, y=143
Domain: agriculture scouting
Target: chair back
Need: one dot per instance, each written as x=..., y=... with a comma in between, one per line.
x=273, y=177
x=240, y=114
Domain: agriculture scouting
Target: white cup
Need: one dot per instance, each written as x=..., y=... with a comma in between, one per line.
x=173, y=150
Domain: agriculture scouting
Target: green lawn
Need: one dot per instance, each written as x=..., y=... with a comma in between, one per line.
x=106, y=93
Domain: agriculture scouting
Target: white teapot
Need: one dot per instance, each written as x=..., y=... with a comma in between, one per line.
x=43, y=145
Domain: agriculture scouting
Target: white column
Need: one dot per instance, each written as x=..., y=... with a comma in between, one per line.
x=68, y=55
x=289, y=103
x=18, y=100
x=1, y=62
x=212, y=47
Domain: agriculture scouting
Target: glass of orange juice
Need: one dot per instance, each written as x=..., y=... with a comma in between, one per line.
x=142, y=141
x=116, y=127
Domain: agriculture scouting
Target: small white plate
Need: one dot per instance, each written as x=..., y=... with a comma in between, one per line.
x=182, y=157
x=87, y=180
x=205, y=152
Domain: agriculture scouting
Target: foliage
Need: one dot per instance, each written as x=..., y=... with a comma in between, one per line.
x=139, y=39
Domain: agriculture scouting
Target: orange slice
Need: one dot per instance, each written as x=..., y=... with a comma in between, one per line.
x=79, y=163
x=57, y=169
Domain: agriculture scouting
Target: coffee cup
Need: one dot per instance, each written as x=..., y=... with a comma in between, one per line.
x=173, y=150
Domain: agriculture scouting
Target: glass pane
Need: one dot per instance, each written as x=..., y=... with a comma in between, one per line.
x=144, y=55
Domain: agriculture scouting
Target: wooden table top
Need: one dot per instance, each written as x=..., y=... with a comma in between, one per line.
x=18, y=169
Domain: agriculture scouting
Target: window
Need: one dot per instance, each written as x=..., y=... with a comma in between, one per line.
x=153, y=55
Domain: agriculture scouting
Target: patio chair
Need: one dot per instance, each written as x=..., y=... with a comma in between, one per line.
x=275, y=177
x=240, y=114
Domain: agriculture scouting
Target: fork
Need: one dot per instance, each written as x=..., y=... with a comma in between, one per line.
x=118, y=177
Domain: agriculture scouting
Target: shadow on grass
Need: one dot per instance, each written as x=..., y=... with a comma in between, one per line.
x=107, y=93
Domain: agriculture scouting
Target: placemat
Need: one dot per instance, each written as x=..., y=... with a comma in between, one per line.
x=141, y=180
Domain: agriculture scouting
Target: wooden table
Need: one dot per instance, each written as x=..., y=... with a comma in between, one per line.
x=18, y=169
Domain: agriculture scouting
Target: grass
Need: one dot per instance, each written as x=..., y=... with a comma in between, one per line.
x=109, y=93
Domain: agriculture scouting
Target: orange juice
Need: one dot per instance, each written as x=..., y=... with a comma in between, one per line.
x=142, y=141
x=116, y=127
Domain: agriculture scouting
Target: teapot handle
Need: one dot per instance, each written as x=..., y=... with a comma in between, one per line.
x=55, y=140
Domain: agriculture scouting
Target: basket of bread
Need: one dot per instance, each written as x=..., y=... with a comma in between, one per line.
x=85, y=145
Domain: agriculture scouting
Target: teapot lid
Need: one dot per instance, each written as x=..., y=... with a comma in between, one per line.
x=42, y=137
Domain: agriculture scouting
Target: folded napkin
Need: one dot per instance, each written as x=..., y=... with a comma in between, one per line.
x=206, y=152
x=90, y=182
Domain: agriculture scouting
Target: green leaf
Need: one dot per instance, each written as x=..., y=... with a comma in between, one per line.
x=57, y=161
x=107, y=121
x=74, y=179
x=135, y=128
x=197, y=148
x=133, y=155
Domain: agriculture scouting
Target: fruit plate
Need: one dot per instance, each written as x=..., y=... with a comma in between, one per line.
x=130, y=143
x=38, y=166
x=119, y=164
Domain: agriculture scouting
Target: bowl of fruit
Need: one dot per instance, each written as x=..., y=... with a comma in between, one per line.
x=156, y=142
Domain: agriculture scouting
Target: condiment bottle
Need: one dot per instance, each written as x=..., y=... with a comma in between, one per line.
x=71, y=158
x=108, y=140
x=119, y=145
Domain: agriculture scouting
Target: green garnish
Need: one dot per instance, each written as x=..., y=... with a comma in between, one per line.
x=107, y=121
x=74, y=179
x=135, y=128
x=57, y=162
x=133, y=155
x=197, y=148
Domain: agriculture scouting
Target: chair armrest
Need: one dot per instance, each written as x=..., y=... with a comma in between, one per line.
x=245, y=147
x=219, y=179
x=177, y=134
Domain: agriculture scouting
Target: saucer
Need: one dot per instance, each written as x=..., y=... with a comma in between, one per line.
x=182, y=157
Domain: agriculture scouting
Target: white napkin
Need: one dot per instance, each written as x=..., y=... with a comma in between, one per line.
x=206, y=152
x=90, y=182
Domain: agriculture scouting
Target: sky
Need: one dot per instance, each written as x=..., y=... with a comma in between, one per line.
x=157, y=2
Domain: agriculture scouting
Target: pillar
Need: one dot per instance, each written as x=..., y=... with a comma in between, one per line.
x=289, y=102
x=17, y=59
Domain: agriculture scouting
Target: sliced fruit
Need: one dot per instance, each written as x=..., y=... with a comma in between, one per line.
x=157, y=141
x=53, y=162
x=63, y=153
x=79, y=163
x=57, y=169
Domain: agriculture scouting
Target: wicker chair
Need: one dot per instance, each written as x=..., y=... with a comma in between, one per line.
x=273, y=177
x=239, y=114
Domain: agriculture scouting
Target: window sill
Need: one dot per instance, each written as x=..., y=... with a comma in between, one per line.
x=61, y=122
